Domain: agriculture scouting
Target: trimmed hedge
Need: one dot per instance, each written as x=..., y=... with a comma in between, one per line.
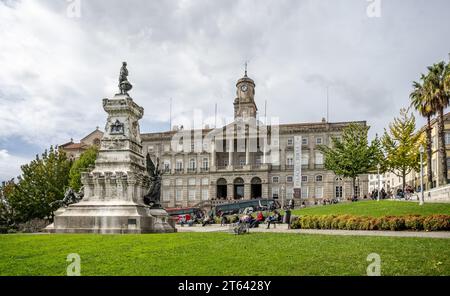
x=394, y=223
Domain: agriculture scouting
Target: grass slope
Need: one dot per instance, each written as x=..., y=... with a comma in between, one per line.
x=221, y=254
x=377, y=209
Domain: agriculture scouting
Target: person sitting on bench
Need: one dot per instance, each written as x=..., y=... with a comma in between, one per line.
x=272, y=218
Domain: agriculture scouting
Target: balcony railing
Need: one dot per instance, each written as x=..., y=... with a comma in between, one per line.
x=192, y=170
x=289, y=166
x=179, y=170
x=204, y=169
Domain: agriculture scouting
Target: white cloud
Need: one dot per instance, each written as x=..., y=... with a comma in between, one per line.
x=55, y=70
x=10, y=165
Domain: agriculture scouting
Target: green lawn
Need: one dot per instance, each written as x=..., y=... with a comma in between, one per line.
x=377, y=208
x=221, y=254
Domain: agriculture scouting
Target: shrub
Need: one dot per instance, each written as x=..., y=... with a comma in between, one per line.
x=392, y=223
x=414, y=222
x=34, y=225
x=436, y=222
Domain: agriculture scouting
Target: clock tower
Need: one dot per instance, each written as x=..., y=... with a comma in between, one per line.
x=244, y=104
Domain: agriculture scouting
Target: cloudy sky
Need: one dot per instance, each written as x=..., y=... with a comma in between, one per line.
x=59, y=58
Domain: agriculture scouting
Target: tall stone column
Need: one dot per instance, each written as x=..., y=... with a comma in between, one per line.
x=213, y=153
x=247, y=190
x=230, y=152
x=230, y=191
x=247, y=152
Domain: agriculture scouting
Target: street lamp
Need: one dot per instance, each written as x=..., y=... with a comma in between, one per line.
x=422, y=198
x=378, y=173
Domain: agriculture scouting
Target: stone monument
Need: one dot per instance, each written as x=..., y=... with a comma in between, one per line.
x=114, y=190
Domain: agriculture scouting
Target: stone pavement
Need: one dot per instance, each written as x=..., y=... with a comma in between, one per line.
x=282, y=228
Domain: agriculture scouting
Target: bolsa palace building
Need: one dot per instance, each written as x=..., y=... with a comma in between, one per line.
x=248, y=159
x=245, y=159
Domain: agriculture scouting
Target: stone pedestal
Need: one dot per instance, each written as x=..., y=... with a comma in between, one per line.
x=114, y=190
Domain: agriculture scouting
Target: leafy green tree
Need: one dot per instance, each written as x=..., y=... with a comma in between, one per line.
x=82, y=164
x=7, y=213
x=401, y=146
x=419, y=101
x=42, y=182
x=352, y=155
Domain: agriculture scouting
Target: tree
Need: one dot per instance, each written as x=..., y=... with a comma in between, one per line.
x=401, y=146
x=42, y=182
x=86, y=160
x=438, y=97
x=7, y=213
x=423, y=107
x=352, y=156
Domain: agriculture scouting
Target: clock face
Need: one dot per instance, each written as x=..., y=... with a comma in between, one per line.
x=244, y=87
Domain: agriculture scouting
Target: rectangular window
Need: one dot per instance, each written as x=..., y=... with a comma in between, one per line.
x=304, y=191
x=319, y=192
x=319, y=140
x=151, y=148
x=275, y=179
x=290, y=161
x=304, y=178
x=205, y=194
x=338, y=192
x=166, y=195
x=191, y=182
x=275, y=192
x=205, y=181
x=205, y=163
x=290, y=142
x=179, y=182
x=179, y=195
x=191, y=194
x=167, y=166
x=304, y=141
x=179, y=165
x=192, y=164
x=166, y=182
x=289, y=179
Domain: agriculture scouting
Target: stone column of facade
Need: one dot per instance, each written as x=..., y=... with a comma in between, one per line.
x=213, y=154
x=265, y=189
x=247, y=190
x=230, y=191
x=230, y=152
x=247, y=152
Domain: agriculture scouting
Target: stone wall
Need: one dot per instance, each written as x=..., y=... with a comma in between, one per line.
x=441, y=194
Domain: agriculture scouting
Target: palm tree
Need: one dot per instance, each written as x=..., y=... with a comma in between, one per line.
x=422, y=106
x=438, y=98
